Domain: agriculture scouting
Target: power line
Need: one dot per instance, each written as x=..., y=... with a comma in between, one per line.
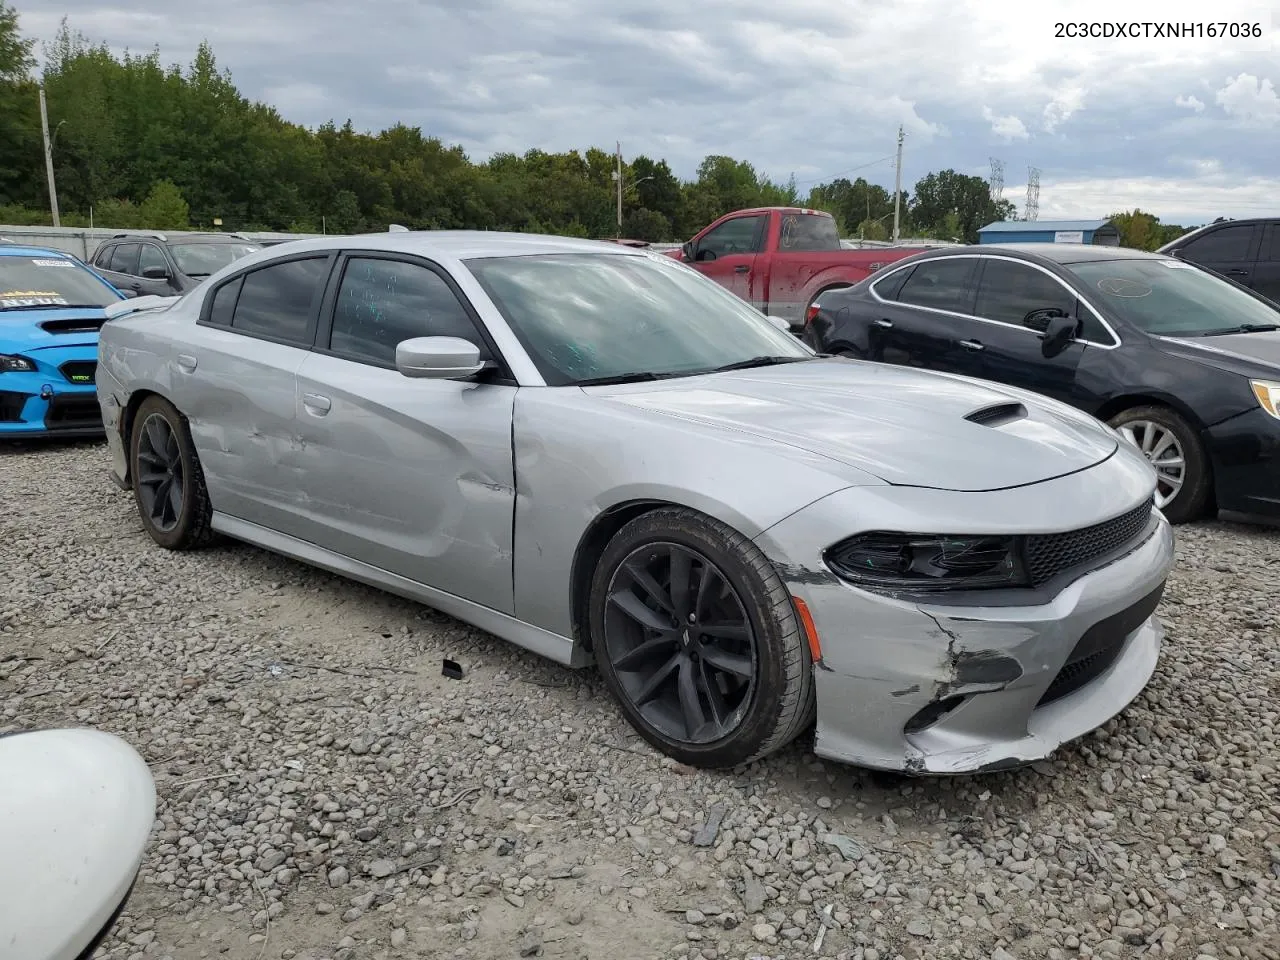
x=837, y=176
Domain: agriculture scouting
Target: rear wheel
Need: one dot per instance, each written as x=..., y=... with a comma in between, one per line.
x=168, y=484
x=698, y=641
x=1184, y=478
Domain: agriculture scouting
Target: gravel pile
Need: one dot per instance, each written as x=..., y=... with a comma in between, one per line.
x=327, y=792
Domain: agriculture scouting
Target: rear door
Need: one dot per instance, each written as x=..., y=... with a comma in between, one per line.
x=1266, y=270
x=727, y=253
x=1230, y=250
x=234, y=376
x=925, y=318
x=1015, y=301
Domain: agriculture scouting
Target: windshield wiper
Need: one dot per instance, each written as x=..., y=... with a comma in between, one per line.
x=765, y=361
x=1246, y=328
x=617, y=378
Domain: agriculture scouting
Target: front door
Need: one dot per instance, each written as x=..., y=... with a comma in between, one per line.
x=1015, y=301
x=234, y=377
x=1229, y=250
x=727, y=254
x=412, y=476
x=926, y=320
x=154, y=273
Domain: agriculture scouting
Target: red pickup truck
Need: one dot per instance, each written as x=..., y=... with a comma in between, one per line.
x=779, y=259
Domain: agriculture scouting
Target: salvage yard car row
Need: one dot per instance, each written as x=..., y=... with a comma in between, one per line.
x=592, y=452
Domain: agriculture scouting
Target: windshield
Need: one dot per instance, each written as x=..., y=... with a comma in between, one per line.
x=588, y=316
x=203, y=259
x=34, y=282
x=1172, y=298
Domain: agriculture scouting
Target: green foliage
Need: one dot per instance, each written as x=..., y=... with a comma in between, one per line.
x=142, y=144
x=1144, y=231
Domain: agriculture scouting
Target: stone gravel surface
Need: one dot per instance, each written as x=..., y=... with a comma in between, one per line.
x=326, y=792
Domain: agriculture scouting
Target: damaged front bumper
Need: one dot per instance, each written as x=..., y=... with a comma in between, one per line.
x=935, y=689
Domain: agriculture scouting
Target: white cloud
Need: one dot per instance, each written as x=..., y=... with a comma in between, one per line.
x=1008, y=128
x=1250, y=100
x=1214, y=195
x=1062, y=107
x=1191, y=102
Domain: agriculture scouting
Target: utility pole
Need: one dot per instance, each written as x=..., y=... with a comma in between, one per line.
x=48, y=158
x=618, y=177
x=897, y=188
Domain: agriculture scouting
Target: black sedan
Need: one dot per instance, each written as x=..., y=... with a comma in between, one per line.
x=1183, y=363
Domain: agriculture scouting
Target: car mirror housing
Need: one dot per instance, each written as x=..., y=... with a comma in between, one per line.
x=438, y=358
x=1058, y=332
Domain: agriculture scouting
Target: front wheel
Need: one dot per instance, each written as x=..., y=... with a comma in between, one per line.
x=697, y=639
x=1184, y=479
x=168, y=484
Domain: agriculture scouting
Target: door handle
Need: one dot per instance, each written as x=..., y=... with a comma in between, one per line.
x=972, y=345
x=741, y=268
x=886, y=324
x=186, y=363
x=315, y=404
x=1237, y=273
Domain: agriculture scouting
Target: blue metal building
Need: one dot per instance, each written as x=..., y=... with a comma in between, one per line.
x=1101, y=232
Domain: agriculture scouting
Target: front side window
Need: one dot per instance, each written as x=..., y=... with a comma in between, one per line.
x=383, y=302
x=206, y=259
x=34, y=282
x=733, y=236
x=151, y=258
x=941, y=284
x=1020, y=295
x=808, y=233
x=587, y=316
x=277, y=301
x=1170, y=298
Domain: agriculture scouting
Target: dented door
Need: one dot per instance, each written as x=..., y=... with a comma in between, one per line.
x=412, y=476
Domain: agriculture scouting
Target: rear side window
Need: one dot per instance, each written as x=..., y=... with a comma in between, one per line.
x=808, y=233
x=278, y=302
x=1224, y=245
x=124, y=258
x=940, y=284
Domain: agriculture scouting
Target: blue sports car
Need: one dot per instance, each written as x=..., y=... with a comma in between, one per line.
x=51, y=308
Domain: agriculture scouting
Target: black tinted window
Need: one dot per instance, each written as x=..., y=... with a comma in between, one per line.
x=1016, y=293
x=382, y=302
x=276, y=301
x=1271, y=244
x=151, y=257
x=807, y=232
x=224, y=302
x=103, y=257
x=941, y=284
x=124, y=259
x=1222, y=245
x=732, y=236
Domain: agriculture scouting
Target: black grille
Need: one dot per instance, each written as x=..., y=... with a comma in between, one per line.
x=73, y=413
x=11, y=405
x=79, y=371
x=1048, y=555
x=1099, y=647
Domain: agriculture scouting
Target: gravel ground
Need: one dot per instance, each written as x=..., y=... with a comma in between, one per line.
x=325, y=792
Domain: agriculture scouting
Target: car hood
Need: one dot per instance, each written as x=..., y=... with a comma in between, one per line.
x=903, y=426
x=1244, y=353
x=34, y=329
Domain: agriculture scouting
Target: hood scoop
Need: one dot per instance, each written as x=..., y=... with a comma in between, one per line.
x=74, y=325
x=997, y=415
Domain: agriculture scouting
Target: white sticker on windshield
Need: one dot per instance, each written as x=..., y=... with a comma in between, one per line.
x=53, y=263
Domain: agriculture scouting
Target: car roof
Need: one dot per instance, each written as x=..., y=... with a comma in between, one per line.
x=15, y=250
x=462, y=244
x=1053, y=252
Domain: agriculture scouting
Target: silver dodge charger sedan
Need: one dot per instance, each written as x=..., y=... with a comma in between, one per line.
x=596, y=453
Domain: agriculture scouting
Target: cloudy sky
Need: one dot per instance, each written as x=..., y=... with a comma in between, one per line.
x=1184, y=127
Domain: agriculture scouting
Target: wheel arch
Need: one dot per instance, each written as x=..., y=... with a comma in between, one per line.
x=127, y=416
x=1127, y=401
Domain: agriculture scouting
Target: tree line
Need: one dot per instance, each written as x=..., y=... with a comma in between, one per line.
x=138, y=144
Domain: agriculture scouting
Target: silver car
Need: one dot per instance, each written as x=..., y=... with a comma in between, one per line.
x=601, y=456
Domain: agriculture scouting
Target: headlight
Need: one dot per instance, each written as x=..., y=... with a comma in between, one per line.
x=1268, y=394
x=12, y=364
x=908, y=561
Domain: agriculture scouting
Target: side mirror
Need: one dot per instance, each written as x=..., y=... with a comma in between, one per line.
x=438, y=358
x=76, y=812
x=686, y=251
x=1058, y=332
x=706, y=256
x=155, y=273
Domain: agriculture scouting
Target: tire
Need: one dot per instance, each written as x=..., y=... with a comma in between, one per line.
x=160, y=447
x=1151, y=427
x=759, y=680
